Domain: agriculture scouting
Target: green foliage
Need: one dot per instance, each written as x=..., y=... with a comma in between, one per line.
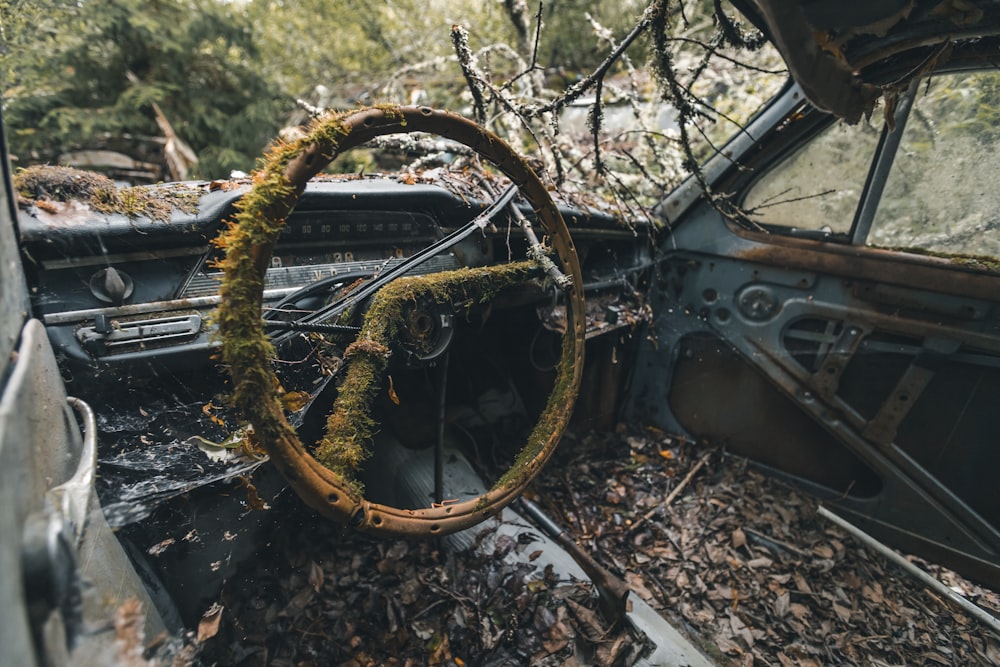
x=353, y=47
x=102, y=64
x=568, y=42
x=225, y=75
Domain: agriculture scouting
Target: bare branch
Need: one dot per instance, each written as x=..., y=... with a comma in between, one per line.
x=473, y=77
x=578, y=89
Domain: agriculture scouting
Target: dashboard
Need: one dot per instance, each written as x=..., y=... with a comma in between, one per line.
x=115, y=291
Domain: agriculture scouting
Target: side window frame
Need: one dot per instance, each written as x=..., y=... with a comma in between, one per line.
x=881, y=166
x=871, y=198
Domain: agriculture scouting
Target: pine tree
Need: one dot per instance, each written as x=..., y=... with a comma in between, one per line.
x=92, y=74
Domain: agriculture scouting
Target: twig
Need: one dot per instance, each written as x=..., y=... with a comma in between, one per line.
x=772, y=542
x=732, y=32
x=538, y=35
x=596, y=116
x=719, y=54
x=962, y=604
x=460, y=40
x=575, y=91
x=673, y=494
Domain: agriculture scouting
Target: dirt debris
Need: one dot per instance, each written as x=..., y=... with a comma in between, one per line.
x=322, y=595
x=746, y=566
x=740, y=562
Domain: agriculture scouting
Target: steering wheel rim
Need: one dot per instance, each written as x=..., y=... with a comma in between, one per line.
x=249, y=242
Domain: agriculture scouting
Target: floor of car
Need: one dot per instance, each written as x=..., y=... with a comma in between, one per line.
x=740, y=562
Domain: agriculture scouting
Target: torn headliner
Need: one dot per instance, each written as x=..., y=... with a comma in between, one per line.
x=838, y=52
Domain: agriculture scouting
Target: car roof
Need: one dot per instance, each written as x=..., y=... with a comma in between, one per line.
x=838, y=52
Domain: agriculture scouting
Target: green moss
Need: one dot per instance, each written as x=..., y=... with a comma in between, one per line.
x=982, y=262
x=61, y=183
x=350, y=428
x=46, y=183
x=553, y=419
x=248, y=240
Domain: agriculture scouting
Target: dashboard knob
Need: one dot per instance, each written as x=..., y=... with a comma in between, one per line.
x=111, y=285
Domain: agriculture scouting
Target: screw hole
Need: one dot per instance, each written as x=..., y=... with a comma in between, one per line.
x=333, y=499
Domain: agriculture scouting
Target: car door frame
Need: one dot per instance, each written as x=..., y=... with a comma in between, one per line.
x=720, y=275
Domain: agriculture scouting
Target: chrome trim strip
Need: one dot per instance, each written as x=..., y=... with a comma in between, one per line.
x=108, y=260
x=72, y=316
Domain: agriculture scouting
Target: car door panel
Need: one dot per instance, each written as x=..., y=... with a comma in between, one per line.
x=867, y=375
x=65, y=573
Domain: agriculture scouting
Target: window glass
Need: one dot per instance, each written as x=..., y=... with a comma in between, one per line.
x=818, y=187
x=942, y=194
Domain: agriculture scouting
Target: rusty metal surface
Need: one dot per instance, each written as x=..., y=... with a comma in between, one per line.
x=888, y=267
x=883, y=356
x=719, y=397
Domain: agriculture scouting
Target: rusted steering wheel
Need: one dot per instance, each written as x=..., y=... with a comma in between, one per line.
x=323, y=475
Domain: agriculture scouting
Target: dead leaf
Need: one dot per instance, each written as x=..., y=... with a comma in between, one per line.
x=726, y=645
x=636, y=583
x=741, y=630
x=592, y=625
x=556, y=637
x=608, y=652
x=208, y=626
x=315, y=576
x=739, y=538
x=441, y=654
x=160, y=547
x=207, y=411
x=293, y=401
x=781, y=604
x=823, y=551
x=393, y=396
x=129, y=635
x=873, y=592
x=721, y=593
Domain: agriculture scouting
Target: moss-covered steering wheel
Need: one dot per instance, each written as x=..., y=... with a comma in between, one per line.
x=322, y=475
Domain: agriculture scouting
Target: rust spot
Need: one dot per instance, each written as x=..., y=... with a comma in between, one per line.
x=851, y=262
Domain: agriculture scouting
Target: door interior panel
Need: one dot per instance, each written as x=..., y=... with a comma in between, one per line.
x=872, y=393
x=720, y=397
